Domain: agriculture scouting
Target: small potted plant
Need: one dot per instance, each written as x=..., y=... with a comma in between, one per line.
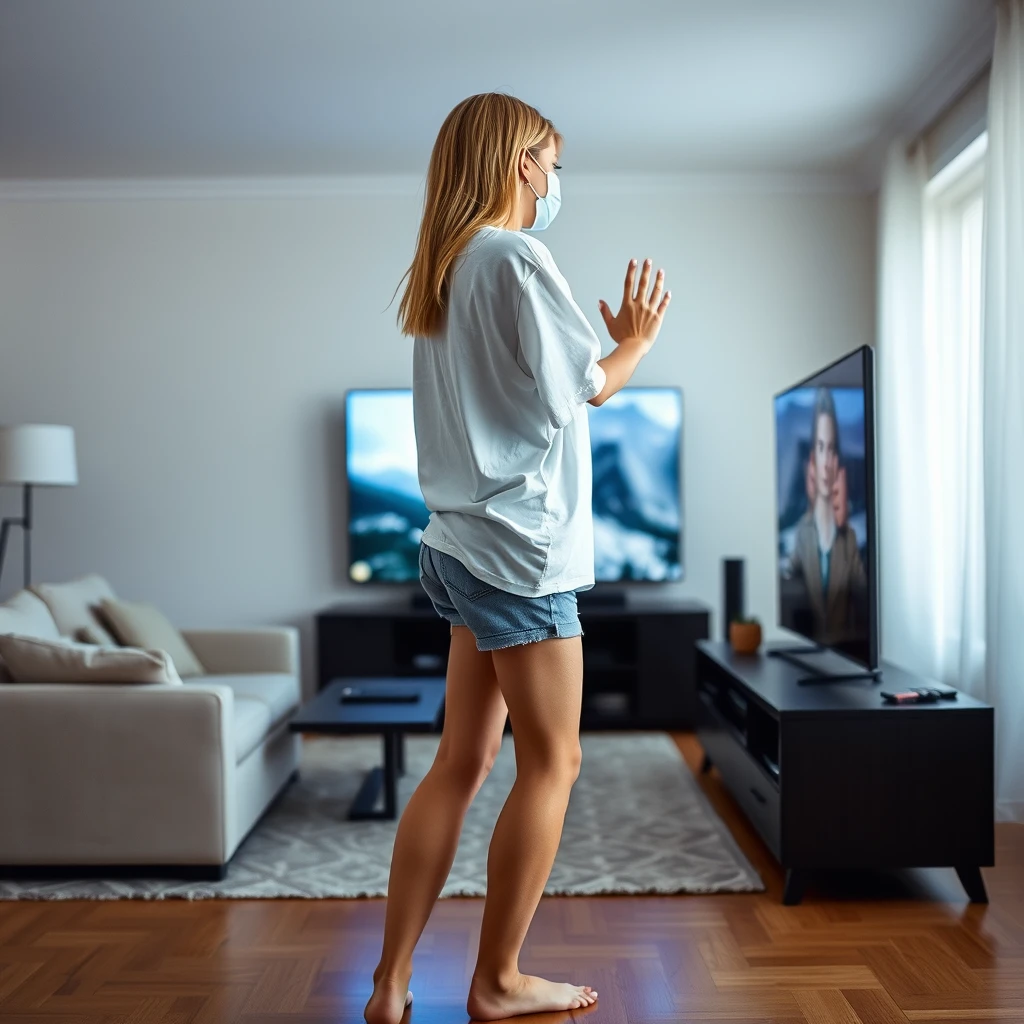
x=745, y=635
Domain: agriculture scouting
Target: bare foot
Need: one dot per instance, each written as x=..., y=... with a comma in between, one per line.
x=529, y=994
x=388, y=1002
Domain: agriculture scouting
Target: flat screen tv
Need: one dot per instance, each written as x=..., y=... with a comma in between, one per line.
x=636, y=442
x=825, y=487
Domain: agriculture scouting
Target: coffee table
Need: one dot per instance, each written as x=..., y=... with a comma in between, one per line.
x=329, y=714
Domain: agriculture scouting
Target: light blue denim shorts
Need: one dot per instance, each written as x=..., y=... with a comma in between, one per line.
x=495, y=617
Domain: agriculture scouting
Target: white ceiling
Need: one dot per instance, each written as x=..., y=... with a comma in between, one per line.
x=166, y=88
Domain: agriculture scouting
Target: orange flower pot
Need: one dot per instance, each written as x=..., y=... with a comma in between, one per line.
x=745, y=637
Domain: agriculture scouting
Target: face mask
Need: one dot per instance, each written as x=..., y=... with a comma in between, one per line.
x=547, y=206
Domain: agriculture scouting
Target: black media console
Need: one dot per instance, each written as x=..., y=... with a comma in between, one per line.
x=638, y=662
x=833, y=777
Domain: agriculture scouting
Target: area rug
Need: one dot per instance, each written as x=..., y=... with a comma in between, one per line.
x=637, y=822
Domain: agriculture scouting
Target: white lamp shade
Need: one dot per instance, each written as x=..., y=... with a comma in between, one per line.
x=38, y=454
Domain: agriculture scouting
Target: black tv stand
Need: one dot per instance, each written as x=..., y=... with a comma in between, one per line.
x=794, y=656
x=638, y=661
x=835, y=778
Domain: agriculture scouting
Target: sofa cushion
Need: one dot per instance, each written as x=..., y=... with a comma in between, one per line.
x=251, y=725
x=26, y=615
x=31, y=660
x=74, y=606
x=142, y=625
x=280, y=693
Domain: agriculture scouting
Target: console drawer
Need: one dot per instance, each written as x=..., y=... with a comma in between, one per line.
x=748, y=785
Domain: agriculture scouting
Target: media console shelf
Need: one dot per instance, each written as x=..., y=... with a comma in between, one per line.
x=833, y=777
x=638, y=662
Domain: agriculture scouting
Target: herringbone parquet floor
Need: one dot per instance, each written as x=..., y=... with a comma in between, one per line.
x=883, y=950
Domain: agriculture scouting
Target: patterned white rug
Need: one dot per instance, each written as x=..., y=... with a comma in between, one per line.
x=637, y=823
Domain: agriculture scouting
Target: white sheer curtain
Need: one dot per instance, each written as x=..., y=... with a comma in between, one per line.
x=904, y=545
x=1003, y=357
x=952, y=379
x=931, y=536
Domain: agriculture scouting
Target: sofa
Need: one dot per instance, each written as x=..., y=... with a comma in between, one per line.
x=146, y=779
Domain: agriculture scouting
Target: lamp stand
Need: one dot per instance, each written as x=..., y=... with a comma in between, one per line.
x=25, y=522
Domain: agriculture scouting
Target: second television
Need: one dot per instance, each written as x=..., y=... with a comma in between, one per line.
x=636, y=440
x=825, y=480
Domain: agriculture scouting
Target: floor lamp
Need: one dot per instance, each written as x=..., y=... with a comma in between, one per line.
x=34, y=456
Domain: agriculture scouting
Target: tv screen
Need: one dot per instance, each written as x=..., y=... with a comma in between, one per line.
x=825, y=480
x=636, y=441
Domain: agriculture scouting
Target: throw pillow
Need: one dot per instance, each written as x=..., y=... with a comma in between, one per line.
x=26, y=615
x=95, y=635
x=142, y=625
x=30, y=660
x=74, y=605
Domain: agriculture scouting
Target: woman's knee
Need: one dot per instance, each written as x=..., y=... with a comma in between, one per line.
x=556, y=761
x=467, y=769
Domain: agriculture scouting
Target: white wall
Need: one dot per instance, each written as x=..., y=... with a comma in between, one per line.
x=201, y=346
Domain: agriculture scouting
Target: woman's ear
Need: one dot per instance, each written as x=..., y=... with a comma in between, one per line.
x=523, y=176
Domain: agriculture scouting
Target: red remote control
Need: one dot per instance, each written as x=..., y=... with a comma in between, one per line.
x=921, y=695
x=908, y=697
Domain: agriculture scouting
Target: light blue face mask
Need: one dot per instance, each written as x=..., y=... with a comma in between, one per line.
x=547, y=206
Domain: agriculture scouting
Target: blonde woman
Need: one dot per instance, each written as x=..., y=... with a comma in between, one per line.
x=504, y=363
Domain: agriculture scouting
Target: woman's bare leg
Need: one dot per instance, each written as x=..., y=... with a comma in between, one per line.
x=543, y=685
x=428, y=833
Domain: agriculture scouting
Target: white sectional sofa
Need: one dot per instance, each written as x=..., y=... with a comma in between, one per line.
x=145, y=779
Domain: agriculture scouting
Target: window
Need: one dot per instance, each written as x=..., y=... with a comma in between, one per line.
x=953, y=216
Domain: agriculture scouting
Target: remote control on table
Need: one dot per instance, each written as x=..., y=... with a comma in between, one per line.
x=919, y=695
x=351, y=695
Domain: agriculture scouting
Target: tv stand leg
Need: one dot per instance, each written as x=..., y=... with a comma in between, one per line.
x=706, y=765
x=793, y=889
x=973, y=883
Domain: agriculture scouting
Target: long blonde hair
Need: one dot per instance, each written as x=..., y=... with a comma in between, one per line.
x=472, y=181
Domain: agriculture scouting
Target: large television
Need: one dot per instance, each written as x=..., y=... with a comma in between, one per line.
x=636, y=443
x=825, y=489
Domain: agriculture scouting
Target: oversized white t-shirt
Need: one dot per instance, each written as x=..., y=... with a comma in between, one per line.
x=502, y=435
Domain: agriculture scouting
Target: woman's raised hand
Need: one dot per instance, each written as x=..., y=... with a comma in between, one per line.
x=640, y=315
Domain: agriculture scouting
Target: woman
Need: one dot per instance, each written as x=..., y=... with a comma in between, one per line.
x=825, y=551
x=504, y=363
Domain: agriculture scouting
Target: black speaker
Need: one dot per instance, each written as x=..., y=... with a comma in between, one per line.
x=732, y=590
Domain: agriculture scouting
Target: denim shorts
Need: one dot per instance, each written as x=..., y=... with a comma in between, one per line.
x=495, y=617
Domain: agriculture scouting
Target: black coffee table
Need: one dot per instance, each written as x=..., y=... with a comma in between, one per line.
x=328, y=714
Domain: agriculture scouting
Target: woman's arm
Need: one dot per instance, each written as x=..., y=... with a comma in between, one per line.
x=619, y=366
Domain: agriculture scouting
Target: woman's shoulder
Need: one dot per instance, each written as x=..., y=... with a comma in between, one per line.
x=515, y=248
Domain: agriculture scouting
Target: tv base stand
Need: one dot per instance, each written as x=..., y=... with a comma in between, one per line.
x=835, y=778
x=794, y=656
x=840, y=677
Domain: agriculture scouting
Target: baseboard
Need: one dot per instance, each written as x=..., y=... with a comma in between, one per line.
x=71, y=872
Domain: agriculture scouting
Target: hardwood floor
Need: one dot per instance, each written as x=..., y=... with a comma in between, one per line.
x=859, y=950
